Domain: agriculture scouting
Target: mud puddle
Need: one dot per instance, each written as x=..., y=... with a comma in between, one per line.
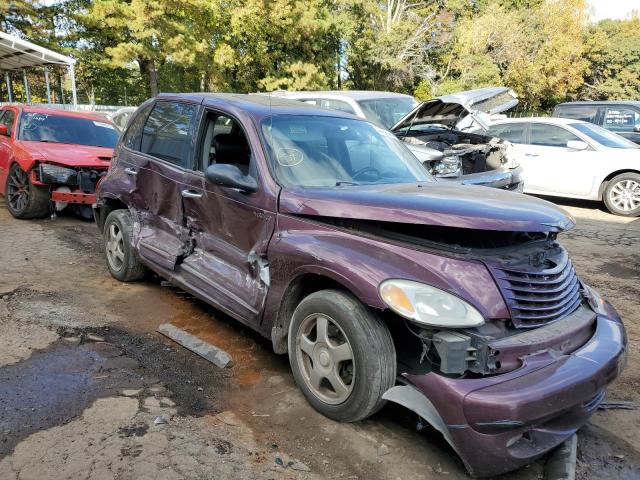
x=56, y=384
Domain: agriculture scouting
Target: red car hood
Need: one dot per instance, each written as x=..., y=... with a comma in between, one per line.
x=70, y=155
x=430, y=203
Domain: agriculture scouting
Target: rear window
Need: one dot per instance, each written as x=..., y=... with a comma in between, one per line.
x=586, y=113
x=47, y=127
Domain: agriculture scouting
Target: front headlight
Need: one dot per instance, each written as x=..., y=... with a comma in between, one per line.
x=50, y=173
x=428, y=305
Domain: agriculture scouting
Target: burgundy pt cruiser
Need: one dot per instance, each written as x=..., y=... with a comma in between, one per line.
x=322, y=232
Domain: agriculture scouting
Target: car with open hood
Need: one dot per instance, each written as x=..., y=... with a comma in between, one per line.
x=323, y=233
x=437, y=130
x=52, y=159
x=438, y=134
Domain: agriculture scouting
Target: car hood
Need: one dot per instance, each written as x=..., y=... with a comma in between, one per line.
x=452, y=110
x=430, y=203
x=70, y=155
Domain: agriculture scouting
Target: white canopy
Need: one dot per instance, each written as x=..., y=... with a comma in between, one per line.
x=19, y=54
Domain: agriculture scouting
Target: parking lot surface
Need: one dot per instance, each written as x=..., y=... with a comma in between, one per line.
x=88, y=389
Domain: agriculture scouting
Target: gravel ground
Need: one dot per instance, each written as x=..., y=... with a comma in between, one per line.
x=89, y=390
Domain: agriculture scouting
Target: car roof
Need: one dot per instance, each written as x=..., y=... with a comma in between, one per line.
x=552, y=120
x=351, y=94
x=256, y=105
x=64, y=113
x=635, y=103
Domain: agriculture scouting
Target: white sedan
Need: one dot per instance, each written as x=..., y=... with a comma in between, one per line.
x=575, y=159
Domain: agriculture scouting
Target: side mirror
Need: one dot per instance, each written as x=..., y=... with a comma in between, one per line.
x=636, y=128
x=3, y=131
x=577, y=145
x=228, y=175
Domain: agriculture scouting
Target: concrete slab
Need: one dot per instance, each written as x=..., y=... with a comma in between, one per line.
x=215, y=355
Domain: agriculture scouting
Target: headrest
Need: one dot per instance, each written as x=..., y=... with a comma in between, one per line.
x=230, y=148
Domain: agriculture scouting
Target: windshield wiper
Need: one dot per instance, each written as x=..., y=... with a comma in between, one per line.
x=339, y=183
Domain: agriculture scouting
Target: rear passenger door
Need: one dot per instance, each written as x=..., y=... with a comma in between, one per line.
x=229, y=229
x=157, y=154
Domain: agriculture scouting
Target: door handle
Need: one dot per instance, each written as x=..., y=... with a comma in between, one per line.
x=130, y=171
x=531, y=155
x=191, y=194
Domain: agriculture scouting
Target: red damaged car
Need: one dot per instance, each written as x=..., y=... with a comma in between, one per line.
x=51, y=159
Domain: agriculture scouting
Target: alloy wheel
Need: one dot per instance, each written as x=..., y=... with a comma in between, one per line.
x=18, y=190
x=325, y=358
x=625, y=195
x=115, y=247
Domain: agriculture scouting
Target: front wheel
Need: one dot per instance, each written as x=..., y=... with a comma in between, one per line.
x=622, y=195
x=24, y=199
x=342, y=356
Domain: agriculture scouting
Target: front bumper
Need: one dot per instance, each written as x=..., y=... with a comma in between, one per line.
x=500, y=423
x=508, y=179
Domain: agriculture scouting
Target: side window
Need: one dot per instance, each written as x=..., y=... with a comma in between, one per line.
x=224, y=141
x=587, y=113
x=336, y=105
x=168, y=132
x=513, y=132
x=133, y=135
x=550, y=135
x=621, y=119
x=7, y=118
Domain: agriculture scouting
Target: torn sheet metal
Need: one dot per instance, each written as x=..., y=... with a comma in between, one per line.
x=215, y=355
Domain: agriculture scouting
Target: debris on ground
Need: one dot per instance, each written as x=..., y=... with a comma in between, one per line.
x=161, y=420
x=210, y=352
x=617, y=405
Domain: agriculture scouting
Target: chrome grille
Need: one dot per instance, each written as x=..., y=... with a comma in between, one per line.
x=538, y=296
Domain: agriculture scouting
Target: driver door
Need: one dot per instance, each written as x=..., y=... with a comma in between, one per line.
x=552, y=168
x=229, y=229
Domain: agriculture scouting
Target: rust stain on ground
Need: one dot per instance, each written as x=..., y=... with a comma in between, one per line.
x=243, y=350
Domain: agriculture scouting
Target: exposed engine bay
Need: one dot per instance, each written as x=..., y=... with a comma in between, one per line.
x=452, y=154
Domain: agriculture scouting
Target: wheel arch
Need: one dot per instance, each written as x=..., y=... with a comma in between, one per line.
x=605, y=182
x=106, y=206
x=303, y=284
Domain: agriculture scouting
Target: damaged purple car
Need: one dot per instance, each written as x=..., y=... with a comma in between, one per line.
x=322, y=232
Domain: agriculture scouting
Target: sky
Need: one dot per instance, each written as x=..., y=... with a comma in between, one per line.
x=613, y=8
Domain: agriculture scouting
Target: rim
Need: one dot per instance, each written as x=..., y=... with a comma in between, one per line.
x=115, y=247
x=325, y=358
x=18, y=190
x=625, y=195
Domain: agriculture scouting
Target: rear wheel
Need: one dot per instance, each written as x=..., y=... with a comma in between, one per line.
x=25, y=200
x=122, y=260
x=342, y=356
x=622, y=195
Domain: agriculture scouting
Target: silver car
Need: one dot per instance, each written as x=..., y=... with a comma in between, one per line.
x=436, y=130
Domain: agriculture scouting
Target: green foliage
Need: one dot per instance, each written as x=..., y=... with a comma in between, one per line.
x=129, y=49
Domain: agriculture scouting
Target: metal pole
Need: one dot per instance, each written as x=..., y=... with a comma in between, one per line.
x=46, y=81
x=7, y=77
x=72, y=75
x=26, y=86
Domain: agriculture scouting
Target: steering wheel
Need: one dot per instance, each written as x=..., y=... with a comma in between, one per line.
x=366, y=170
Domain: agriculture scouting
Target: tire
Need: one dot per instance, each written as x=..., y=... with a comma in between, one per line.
x=24, y=199
x=366, y=376
x=122, y=261
x=622, y=195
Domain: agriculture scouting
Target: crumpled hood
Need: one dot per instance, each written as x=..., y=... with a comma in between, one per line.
x=70, y=155
x=452, y=110
x=430, y=203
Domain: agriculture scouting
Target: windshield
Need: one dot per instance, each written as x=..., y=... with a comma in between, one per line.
x=45, y=127
x=602, y=136
x=387, y=111
x=316, y=151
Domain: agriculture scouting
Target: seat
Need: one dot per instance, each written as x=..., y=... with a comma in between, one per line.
x=233, y=149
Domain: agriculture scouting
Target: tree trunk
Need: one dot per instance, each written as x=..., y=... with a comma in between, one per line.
x=149, y=75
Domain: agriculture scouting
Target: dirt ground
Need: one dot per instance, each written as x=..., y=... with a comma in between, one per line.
x=89, y=390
